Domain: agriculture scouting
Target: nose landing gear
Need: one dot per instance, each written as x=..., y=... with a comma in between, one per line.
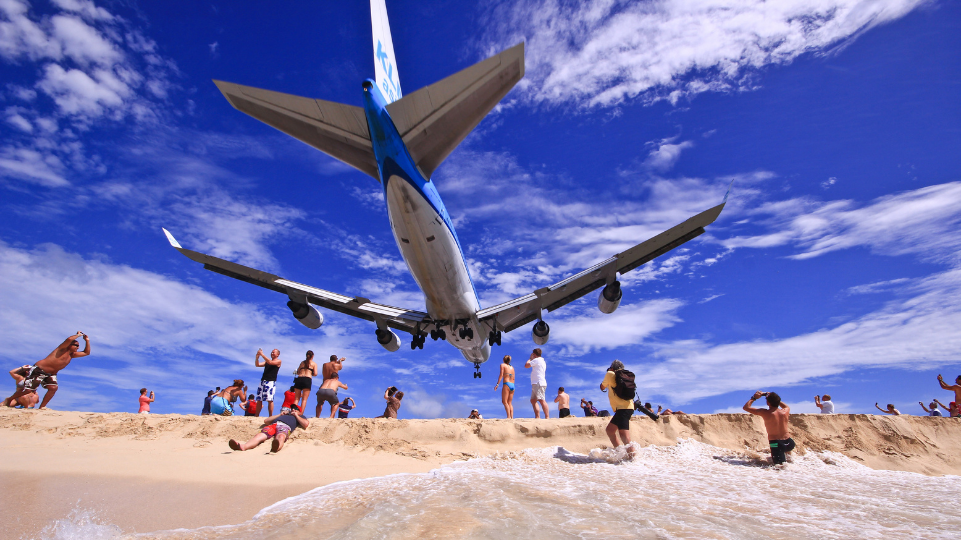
x=477, y=372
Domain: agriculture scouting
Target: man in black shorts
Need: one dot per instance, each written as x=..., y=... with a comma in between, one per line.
x=623, y=410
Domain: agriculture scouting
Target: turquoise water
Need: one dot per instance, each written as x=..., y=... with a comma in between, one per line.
x=691, y=490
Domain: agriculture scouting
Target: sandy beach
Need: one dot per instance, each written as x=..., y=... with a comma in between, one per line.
x=150, y=472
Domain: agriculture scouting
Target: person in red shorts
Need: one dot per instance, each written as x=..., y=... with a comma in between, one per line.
x=279, y=427
x=290, y=397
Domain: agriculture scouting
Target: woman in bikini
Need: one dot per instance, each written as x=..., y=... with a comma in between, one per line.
x=220, y=404
x=507, y=394
x=305, y=373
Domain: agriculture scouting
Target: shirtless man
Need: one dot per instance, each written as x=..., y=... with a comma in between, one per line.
x=954, y=407
x=328, y=392
x=507, y=394
x=44, y=372
x=328, y=370
x=563, y=403
x=775, y=422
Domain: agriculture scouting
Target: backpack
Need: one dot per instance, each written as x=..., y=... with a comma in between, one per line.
x=624, y=387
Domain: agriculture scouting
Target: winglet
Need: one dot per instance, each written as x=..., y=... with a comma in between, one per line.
x=725, y=195
x=171, y=239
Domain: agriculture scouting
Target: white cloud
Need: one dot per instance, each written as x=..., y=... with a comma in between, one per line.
x=146, y=328
x=924, y=222
x=32, y=166
x=666, y=155
x=630, y=325
x=82, y=43
x=603, y=53
x=77, y=93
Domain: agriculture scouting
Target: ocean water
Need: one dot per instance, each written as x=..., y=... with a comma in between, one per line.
x=691, y=490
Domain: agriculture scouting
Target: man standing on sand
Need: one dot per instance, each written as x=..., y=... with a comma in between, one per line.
x=620, y=423
x=825, y=404
x=563, y=403
x=538, y=368
x=327, y=371
x=954, y=408
x=775, y=422
x=507, y=394
x=268, y=382
x=44, y=372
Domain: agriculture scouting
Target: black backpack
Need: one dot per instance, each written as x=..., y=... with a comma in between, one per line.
x=624, y=387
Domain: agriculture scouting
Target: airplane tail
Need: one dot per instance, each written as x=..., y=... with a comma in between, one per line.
x=385, y=66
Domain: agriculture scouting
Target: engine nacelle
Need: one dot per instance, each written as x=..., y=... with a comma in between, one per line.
x=610, y=298
x=541, y=332
x=388, y=340
x=306, y=314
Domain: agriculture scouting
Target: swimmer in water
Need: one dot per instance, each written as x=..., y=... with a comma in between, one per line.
x=507, y=394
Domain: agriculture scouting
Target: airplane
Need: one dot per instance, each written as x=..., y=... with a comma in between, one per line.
x=400, y=141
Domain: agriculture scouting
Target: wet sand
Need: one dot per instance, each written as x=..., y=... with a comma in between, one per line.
x=150, y=472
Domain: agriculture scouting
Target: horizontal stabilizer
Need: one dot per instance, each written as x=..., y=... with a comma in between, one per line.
x=338, y=130
x=435, y=119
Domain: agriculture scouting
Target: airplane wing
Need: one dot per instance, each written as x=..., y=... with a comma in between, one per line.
x=335, y=129
x=520, y=311
x=406, y=320
x=435, y=119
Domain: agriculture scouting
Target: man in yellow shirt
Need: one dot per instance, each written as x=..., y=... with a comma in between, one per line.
x=623, y=410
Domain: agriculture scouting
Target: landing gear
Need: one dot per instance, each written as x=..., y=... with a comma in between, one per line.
x=477, y=372
x=418, y=341
x=494, y=338
x=466, y=333
x=438, y=334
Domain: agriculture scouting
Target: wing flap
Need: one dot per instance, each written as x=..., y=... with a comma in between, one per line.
x=338, y=130
x=435, y=119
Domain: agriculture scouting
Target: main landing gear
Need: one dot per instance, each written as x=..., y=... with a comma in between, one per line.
x=494, y=338
x=438, y=334
x=466, y=333
x=418, y=341
x=477, y=372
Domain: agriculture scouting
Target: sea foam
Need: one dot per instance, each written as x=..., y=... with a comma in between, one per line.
x=691, y=490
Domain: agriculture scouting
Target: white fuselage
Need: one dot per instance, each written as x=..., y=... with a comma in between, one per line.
x=434, y=258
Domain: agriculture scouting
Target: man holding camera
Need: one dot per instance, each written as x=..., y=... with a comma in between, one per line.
x=44, y=372
x=775, y=422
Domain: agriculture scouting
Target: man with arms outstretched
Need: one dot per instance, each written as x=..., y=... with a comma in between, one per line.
x=954, y=408
x=775, y=422
x=268, y=382
x=44, y=372
x=328, y=370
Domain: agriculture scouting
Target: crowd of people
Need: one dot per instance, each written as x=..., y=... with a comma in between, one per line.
x=618, y=383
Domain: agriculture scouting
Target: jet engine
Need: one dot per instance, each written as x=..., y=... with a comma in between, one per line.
x=610, y=298
x=306, y=314
x=388, y=340
x=541, y=332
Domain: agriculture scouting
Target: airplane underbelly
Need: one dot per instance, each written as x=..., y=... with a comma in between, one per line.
x=431, y=253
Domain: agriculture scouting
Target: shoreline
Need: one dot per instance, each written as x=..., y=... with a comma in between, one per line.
x=150, y=472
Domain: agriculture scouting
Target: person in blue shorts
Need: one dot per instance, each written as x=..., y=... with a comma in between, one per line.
x=507, y=394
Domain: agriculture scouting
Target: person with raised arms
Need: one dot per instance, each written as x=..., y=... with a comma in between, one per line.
x=776, y=418
x=268, y=382
x=954, y=407
x=279, y=427
x=44, y=372
x=538, y=367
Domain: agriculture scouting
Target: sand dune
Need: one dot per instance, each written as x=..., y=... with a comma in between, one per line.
x=145, y=472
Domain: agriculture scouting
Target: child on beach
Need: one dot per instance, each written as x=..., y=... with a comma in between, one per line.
x=251, y=408
x=344, y=408
x=279, y=427
x=290, y=397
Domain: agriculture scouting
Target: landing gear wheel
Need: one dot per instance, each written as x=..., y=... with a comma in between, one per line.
x=494, y=338
x=442, y=334
x=477, y=372
x=433, y=335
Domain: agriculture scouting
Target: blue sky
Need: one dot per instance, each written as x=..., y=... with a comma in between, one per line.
x=833, y=269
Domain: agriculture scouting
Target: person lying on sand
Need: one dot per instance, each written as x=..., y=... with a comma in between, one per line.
x=221, y=403
x=667, y=412
x=891, y=409
x=27, y=399
x=933, y=411
x=279, y=427
x=776, y=418
x=954, y=406
x=44, y=372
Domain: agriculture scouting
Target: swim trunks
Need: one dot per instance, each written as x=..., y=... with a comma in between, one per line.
x=538, y=392
x=622, y=418
x=564, y=413
x=38, y=377
x=265, y=392
x=510, y=385
x=303, y=383
x=778, y=448
x=328, y=395
x=273, y=429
